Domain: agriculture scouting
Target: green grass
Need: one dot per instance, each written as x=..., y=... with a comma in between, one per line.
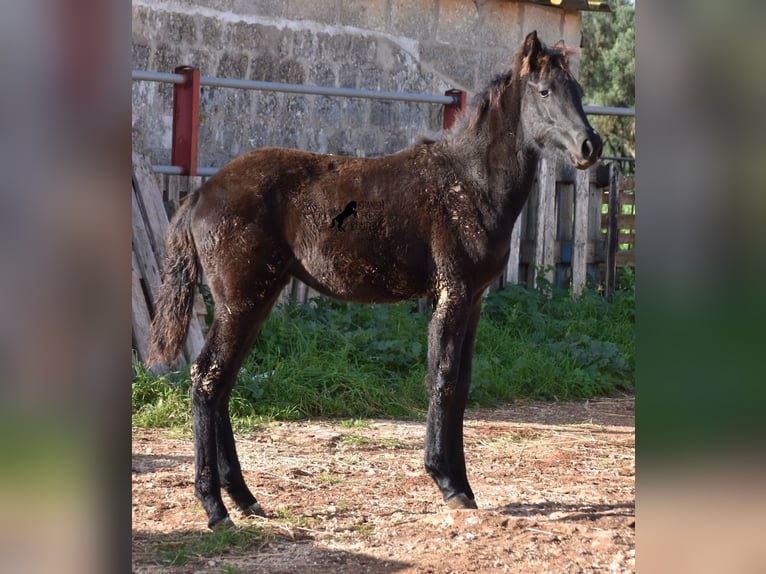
x=189, y=546
x=357, y=362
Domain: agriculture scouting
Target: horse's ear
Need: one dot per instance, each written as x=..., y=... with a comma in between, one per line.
x=530, y=52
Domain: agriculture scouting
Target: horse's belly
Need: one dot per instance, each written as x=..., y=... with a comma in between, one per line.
x=361, y=279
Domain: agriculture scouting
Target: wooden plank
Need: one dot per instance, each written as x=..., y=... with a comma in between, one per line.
x=546, y=218
x=145, y=257
x=628, y=182
x=612, y=229
x=149, y=197
x=141, y=319
x=626, y=259
x=149, y=225
x=565, y=211
x=627, y=238
x=580, y=232
x=512, y=266
x=628, y=198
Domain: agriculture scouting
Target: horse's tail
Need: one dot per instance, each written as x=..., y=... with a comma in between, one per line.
x=175, y=302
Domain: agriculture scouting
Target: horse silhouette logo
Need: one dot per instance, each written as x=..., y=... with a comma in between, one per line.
x=343, y=215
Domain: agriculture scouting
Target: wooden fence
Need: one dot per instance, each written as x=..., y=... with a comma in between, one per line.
x=577, y=229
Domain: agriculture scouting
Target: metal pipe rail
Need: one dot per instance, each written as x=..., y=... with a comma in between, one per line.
x=306, y=89
x=609, y=111
x=188, y=81
x=143, y=75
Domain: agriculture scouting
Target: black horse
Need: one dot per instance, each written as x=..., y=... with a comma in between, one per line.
x=443, y=214
x=342, y=216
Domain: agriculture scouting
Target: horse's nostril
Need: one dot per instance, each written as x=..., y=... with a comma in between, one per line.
x=587, y=148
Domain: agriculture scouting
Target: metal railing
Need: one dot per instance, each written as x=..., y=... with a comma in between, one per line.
x=187, y=82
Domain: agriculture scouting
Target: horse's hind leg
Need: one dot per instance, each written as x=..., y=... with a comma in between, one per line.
x=213, y=375
x=229, y=468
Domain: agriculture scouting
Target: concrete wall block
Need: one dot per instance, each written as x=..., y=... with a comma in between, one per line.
x=180, y=29
x=362, y=50
x=381, y=113
x=321, y=74
x=413, y=18
x=305, y=44
x=212, y=34
x=268, y=8
x=458, y=64
x=291, y=72
x=549, y=22
x=166, y=58
x=459, y=22
x=139, y=56
x=360, y=14
x=325, y=11
x=370, y=78
x=355, y=112
x=573, y=39
x=232, y=66
x=222, y=5
x=492, y=64
x=347, y=76
x=265, y=68
x=501, y=24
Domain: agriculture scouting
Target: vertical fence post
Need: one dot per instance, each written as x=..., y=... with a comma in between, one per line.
x=580, y=236
x=546, y=219
x=452, y=111
x=612, y=230
x=186, y=120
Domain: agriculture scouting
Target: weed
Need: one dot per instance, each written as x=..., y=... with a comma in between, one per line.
x=363, y=442
x=355, y=424
x=327, y=478
x=192, y=545
x=287, y=515
x=364, y=529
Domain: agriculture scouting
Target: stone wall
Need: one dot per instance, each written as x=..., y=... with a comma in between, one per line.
x=423, y=46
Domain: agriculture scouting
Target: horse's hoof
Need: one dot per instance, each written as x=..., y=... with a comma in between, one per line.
x=253, y=510
x=461, y=502
x=223, y=524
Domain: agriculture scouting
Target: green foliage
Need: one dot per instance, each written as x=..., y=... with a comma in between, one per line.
x=607, y=72
x=333, y=359
x=339, y=360
x=160, y=401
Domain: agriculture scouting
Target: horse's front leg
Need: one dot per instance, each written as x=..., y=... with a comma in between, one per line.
x=455, y=424
x=444, y=459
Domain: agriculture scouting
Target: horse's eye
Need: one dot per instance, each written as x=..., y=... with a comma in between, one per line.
x=545, y=93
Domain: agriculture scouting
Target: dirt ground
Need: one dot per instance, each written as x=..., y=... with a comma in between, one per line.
x=554, y=483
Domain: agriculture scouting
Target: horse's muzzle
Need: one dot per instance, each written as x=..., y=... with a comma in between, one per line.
x=590, y=150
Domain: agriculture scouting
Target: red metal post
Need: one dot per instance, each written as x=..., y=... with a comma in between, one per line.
x=186, y=120
x=452, y=111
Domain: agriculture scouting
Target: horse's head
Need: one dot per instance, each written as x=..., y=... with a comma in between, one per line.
x=551, y=108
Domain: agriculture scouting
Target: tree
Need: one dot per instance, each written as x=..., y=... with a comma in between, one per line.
x=607, y=72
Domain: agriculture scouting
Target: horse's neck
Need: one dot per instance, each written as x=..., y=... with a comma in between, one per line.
x=506, y=166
